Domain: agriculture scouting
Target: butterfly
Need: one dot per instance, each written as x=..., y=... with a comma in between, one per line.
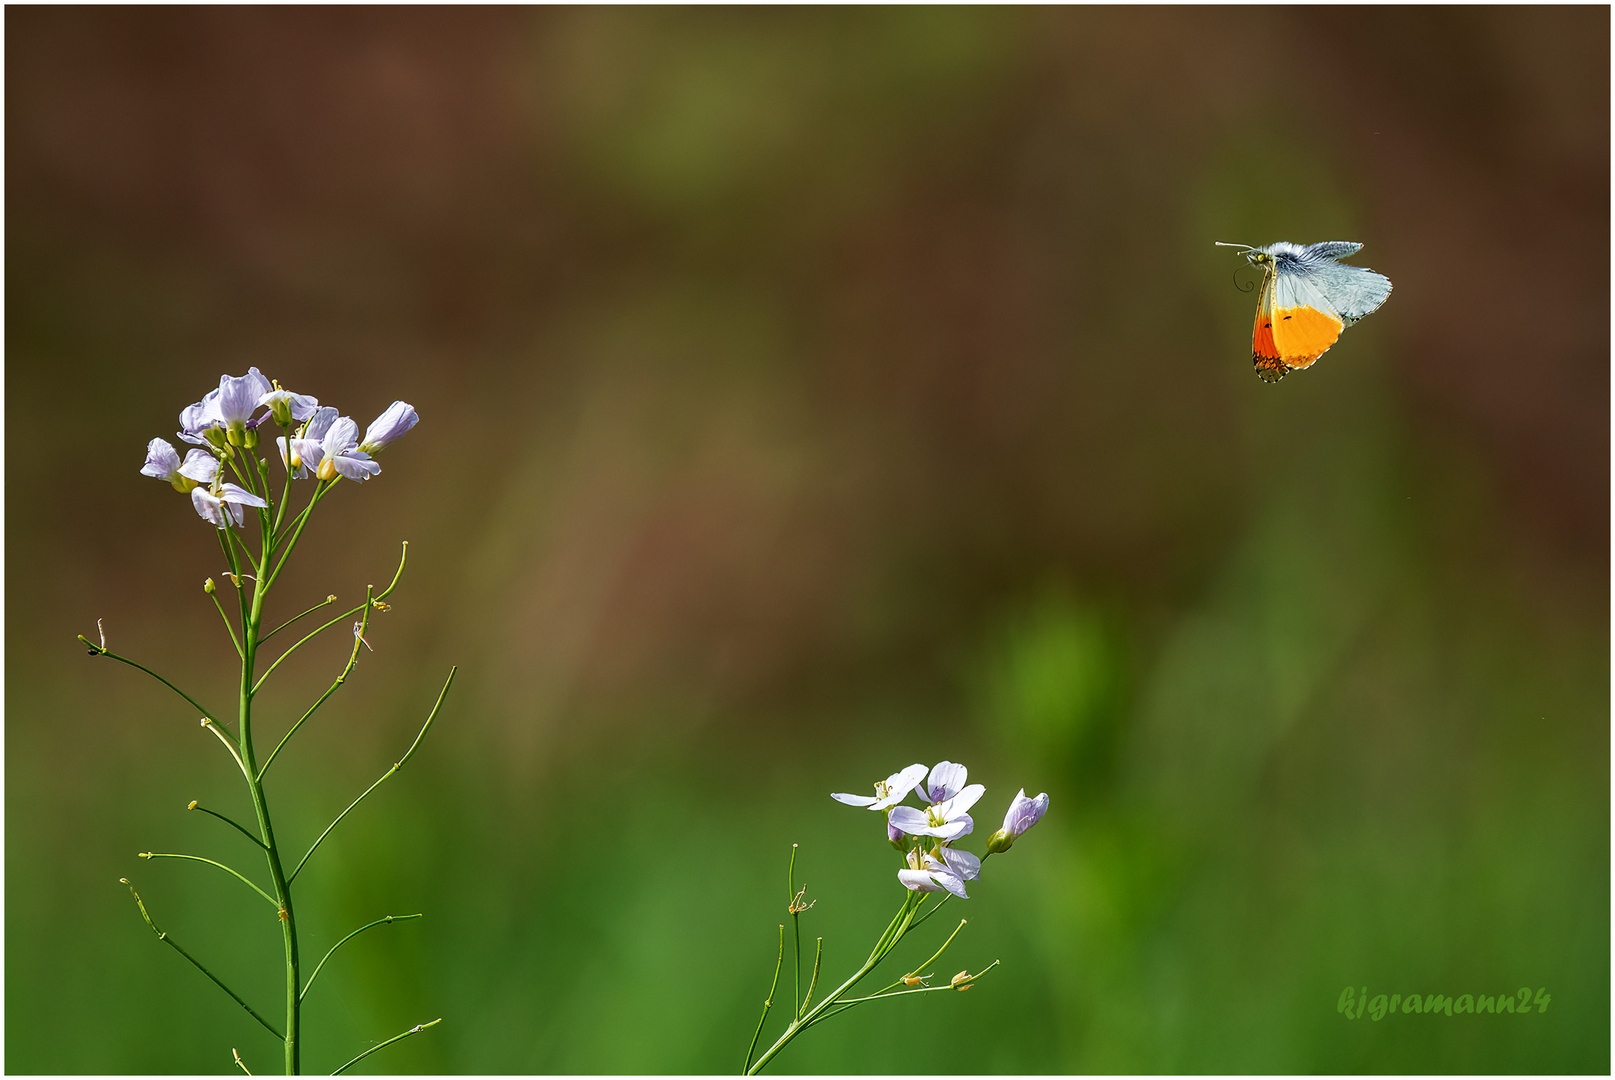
x=1308, y=297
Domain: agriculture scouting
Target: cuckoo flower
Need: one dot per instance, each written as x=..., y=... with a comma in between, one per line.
x=1023, y=813
x=287, y=407
x=888, y=792
x=398, y=418
x=305, y=447
x=940, y=868
x=224, y=507
x=162, y=461
x=228, y=408
x=340, y=454
x=951, y=799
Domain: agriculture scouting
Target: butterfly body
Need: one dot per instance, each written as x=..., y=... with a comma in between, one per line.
x=1308, y=297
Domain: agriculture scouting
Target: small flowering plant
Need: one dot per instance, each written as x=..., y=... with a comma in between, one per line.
x=932, y=867
x=230, y=484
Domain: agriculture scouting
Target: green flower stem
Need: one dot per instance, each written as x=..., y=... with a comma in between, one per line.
x=848, y=1003
x=364, y=620
x=396, y=766
x=297, y=530
x=162, y=936
x=768, y=1001
x=197, y=858
x=328, y=600
x=227, y=739
x=102, y=651
x=384, y=920
x=213, y=594
x=797, y=1004
x=198, y=806
x=251, y=621
x=412, y=1031
x=887, y=942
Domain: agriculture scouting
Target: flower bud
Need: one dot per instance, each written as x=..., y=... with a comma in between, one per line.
x=192, y=805
x=209, y=588
x=999, y=841
x=960, y=981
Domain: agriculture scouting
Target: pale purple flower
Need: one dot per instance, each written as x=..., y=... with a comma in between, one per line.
x=946, y=820
x=938, y=869
x=224, y=507
x=1023, y=813
x=230, y=407
x=950, y=798
x=340, y=454
x=888, y=792
x=196, y=420
x=307, y=447
x=398, y=418
x=162, y=461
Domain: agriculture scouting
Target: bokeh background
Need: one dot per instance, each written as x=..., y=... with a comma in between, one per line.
x=805, y=393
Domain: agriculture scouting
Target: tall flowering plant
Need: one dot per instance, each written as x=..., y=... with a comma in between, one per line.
x=932, y=866
x=229, y=480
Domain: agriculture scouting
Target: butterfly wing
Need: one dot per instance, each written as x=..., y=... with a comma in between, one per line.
x=1305, y=323
x=1264, y=353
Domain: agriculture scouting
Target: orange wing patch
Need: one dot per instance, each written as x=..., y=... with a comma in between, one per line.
x=1264, y=352
x=1302, y=334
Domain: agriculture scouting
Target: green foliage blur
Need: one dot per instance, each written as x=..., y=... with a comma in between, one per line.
x=805, y=393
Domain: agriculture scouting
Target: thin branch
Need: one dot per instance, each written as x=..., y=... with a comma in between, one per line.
x=396, y=766
x=818, y=954
x=213, y=593
x=197, y=858
x=767, y=1002
x=194, y=805
x=328, y=600
x=102, y=650
x=161, y=936
x=417, y=1028
x=344, y=941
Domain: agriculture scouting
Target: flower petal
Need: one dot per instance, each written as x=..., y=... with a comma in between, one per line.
x=963, y=801
x=355, y=465
x=853, y=800
x=162, y=460
x=944, y=782
x=234, y=493
x=911, y=821
x=961, y=863
x=200, y=466
x=918, y=880
x=396, y=419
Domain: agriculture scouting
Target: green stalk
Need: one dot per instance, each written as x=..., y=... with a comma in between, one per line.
x=888, y=941
x=251, y=623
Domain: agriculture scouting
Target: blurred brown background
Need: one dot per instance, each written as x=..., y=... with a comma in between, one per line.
x=806, y=392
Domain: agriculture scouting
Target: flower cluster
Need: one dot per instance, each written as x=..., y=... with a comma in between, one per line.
x=926, y=837
x=224, y=428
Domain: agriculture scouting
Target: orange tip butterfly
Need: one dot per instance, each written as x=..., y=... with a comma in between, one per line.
x=1308, y=297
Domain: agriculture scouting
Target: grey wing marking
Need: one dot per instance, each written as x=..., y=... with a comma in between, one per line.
x=1330, y=249
x=1354, y=291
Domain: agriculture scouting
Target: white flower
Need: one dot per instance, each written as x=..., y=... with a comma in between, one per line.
x=340, y=454
x=162, y=461
x=1022, y=814
x=951, y=799
x=224, y=507
x=888, y=792
x=396, y=419
x=938, y=869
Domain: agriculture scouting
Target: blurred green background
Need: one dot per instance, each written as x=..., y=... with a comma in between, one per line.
x=805, y=393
